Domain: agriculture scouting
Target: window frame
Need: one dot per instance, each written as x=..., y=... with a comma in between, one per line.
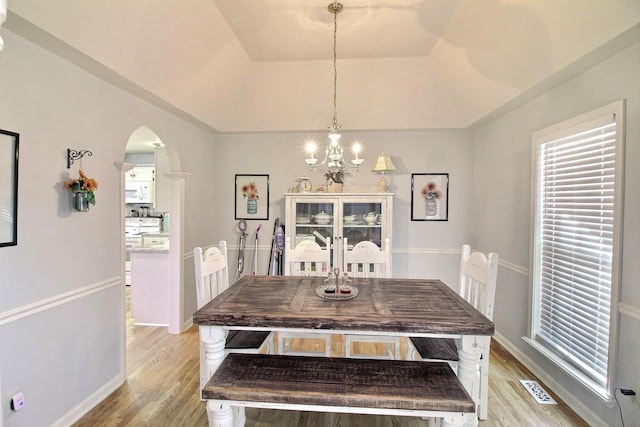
x=567, y=127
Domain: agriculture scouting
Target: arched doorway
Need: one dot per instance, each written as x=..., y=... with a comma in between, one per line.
x=146, y=158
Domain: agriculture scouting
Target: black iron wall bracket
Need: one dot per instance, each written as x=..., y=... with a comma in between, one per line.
x=73, y=155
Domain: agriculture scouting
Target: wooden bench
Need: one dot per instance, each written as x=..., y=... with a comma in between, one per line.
x=342, y=385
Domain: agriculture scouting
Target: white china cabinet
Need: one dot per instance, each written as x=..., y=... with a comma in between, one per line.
x=356, y=216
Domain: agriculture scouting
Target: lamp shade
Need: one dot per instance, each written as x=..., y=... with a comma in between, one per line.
x=383, y=164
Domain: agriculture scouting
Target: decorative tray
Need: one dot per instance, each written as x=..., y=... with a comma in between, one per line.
x=336, y=296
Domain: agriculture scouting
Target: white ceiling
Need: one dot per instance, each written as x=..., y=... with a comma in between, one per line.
x=303, y=30
x=264, y=65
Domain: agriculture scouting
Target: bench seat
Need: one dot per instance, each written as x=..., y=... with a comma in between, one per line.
x=400, y=387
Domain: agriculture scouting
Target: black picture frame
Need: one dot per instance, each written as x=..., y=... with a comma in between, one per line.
x=9, y=145
x=252, y=196
x=429, y=197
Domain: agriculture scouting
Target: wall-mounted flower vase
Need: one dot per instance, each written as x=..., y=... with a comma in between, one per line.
x=81, y=201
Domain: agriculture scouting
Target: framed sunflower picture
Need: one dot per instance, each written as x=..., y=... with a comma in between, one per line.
x=252, y=197
x=429, y=197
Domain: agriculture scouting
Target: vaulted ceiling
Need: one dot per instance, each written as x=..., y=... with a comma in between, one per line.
x=265, y=65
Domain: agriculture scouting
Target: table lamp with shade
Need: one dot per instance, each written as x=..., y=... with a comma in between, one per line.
x=383, y=164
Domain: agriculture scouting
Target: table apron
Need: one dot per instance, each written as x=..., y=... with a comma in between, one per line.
x=342, y=331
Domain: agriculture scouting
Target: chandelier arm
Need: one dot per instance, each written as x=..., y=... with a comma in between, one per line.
x=352, y=166
x=323, y=162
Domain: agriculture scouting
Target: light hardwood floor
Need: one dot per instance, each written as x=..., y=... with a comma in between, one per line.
x=162, y=385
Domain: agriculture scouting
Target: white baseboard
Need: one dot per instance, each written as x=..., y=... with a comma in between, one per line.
x=584, y=412
x=83, y=408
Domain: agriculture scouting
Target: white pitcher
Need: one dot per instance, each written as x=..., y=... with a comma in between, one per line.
x=371, y=217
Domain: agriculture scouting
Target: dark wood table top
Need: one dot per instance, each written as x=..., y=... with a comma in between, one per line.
x=399, y=306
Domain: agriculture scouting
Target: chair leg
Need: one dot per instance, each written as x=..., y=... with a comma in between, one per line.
x=483, y=403
x=271, y=345
x=284, y=344
x=392, y=347
x=327, y=346
x=411, y=350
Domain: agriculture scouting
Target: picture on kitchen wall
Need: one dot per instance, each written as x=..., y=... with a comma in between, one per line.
x=429, y=197
x=8, y=188
x=252, y=196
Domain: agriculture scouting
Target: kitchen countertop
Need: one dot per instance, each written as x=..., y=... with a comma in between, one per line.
x=149, y=250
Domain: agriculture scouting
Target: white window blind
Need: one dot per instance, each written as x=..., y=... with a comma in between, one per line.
x=574, y=243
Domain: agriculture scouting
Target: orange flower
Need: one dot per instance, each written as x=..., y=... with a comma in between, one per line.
x=250, y=191
x=430, y=191
x=83, y=183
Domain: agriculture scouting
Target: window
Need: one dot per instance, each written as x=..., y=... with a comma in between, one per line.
x=578, y=175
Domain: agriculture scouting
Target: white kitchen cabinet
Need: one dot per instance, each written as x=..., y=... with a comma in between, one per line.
x=142, y=173
x=155, y=240
x=150, y=286
x=309, y=216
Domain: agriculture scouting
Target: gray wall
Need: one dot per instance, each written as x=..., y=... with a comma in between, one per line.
x=420, y=248
x=61, y=302
x=502, y=201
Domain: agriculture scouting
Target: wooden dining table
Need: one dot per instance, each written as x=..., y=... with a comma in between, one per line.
x=384, y=306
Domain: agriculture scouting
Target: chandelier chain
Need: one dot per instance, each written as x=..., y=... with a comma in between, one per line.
x=335, y=68
x=333, y=157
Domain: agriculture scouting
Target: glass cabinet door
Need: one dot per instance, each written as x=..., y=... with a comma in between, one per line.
x=314, y=220
x=357, y=217
x=362, y=221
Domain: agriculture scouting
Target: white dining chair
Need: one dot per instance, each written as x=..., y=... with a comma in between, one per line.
x=212, y=278
x=366, y=259
x=308, y=258
x=478, y=276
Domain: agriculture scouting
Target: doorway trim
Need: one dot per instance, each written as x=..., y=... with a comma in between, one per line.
x=176, y=249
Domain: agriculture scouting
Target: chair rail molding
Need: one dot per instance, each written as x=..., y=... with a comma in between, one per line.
x=629, y=310
x=24, y=311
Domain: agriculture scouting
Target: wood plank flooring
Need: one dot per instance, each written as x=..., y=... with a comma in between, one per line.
x=162, y=385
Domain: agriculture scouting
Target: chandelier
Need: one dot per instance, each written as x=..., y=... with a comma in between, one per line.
x=333, y=156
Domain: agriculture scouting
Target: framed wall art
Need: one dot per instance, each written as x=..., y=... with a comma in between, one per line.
x=429, y=197
x=8, y=188
x=252, y=196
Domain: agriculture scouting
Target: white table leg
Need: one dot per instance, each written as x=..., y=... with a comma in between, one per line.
x=483, y=400
x=239, y=417
x=219, y=414
x=455, y=421
x=212, y=339
x=469, y=370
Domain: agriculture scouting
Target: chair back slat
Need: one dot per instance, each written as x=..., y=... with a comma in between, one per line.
x=212, y=272
x=478, y=275
x=366, y=259
x=308, y=258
